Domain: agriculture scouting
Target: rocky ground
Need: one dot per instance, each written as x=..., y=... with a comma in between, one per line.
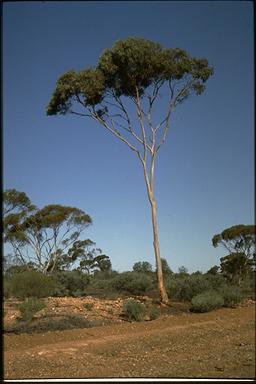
x=178, y=344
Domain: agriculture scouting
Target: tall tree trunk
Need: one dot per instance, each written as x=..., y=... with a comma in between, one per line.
x=150, y=191
x=160, y=279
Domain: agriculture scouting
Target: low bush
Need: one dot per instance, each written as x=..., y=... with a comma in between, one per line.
x=206, y=301
x=232, y=296
x=134, y=310
x=30, y=307
x=184, y=289
x=45, y=325
x=30, y=284
x=70, y=283
x=132, y=283
x=153, y=313
x=7, y=288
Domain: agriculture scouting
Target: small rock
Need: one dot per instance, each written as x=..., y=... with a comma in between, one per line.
x=218, y=368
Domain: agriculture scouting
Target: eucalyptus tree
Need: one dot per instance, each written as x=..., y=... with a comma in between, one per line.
x=90, y=258
x=121, y=94
x=16, y=208
x=43, y=236
x=237, y=239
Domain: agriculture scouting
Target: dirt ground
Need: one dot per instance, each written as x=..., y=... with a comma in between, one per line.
x=178, y=344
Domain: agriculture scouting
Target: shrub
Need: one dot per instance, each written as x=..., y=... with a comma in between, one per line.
x=134, y=310
x=70, y=283
x=30, y=307
x=153, y=313
x=206, y=301
x=7, y=288
x=31, y=284
x=69, y=322
x=184, y=289
x=232, y=296
x=132, y=282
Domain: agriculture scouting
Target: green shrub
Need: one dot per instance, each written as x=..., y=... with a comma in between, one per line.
x=132, y=283
x=206, y=301
x=45, y=325
x=7, y=288
x=153, y=313
x=105, y=284
x=30, y=307
x=232, y=296
x=30, y=284
x=70, y=283
x=134, y=310
x=184, y=289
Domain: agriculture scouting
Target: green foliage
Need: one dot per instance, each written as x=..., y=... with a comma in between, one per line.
x=237, y=239
x=142, y=267
x=39, y=232
x=30, y=307
x=30, y=284
x=185, y=288
x=153, y=313
x=37, y=326
x=134, y=310
x=132, y=282
x=235, y=267
x=213, y=270
x=165, y=268
x=232, y=296
x=16, y=201
x=70, y=283
x=206, y=301
x=183, y=272
x=7, y=287
x=131, y=66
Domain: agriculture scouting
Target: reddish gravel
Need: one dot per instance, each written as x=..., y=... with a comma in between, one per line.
x=218, y=344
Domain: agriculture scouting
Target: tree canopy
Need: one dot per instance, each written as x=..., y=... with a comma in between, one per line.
x=237, y=239
x=48, y=239
x=134, y=69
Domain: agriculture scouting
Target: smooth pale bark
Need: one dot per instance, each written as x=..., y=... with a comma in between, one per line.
x=150, y=191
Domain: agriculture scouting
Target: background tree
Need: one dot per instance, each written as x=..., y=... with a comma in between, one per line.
x=183, y=271
x=133, y=74
x=16, y=208
x=142, y=267
x=165, y=267
x=213, y=270
x=90, y=258
x=41, y=236
x=237, y=239
x=16, y=202
x=235, y=267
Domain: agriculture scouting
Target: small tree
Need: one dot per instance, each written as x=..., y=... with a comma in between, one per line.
x=131, y=75
x=166, y=269
x=142, y=267
x=41, y=236
x=237, y=239
x=235, y=267
x=183, y=271
x=16, y=208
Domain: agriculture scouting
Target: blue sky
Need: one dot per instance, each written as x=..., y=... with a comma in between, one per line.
x=205, y=170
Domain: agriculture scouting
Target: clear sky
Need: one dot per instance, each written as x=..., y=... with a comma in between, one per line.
x=205, y=170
